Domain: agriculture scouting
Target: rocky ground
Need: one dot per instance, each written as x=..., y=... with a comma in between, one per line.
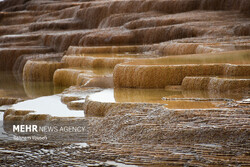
x=74, y=42
x=146, y=135
x=48, y=154
x=116, y=154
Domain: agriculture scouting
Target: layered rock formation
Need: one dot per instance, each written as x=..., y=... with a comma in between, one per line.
x=195, y=52
x=159, y=76
x=31, y=27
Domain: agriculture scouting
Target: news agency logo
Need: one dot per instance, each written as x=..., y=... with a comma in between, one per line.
x=56, y=130
x=25, y=128
x=44, y=129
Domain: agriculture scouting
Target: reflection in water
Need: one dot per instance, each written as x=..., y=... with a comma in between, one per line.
x=38, y=89
x=50, y=105
x=144, y=95
x=124, y=95
x=155, y=95
x=10, y=87
x=106, y=95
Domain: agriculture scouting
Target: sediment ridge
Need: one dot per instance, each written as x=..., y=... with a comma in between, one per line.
x=60, y=25
x=171, y=78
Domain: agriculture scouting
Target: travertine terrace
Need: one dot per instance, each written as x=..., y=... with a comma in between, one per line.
x=162, y=82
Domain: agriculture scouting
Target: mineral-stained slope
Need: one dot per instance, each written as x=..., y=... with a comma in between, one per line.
x=182, y=46
x=32, y=27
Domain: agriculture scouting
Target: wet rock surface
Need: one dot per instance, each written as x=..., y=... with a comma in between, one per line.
x=38, y=27
x=156, y=74
x=49, y=154
x=105, y=44
x=152, y=28
x=147, y=135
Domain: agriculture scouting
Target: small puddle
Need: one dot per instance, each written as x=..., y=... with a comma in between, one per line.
x=119, y=164
x=39, y=96
x=50, y=105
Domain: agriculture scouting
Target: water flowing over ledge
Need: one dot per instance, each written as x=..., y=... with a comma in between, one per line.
x=160, y=82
